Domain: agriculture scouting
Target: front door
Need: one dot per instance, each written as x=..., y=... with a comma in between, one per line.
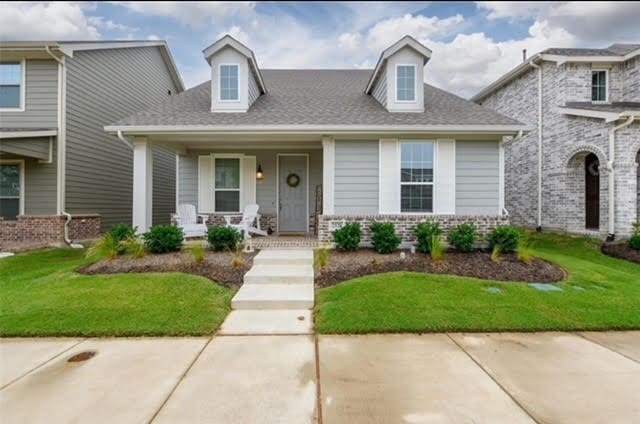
x=292, y=208
x=592, y=192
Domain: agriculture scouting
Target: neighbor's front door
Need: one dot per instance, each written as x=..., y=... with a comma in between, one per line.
x=293, y=174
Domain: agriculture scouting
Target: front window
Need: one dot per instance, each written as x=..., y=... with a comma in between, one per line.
x=416, y=177
x=599, y=86
x=406, y=83
x=229, y=82
x=9, y=191
x=227, y=185
x=10, y=85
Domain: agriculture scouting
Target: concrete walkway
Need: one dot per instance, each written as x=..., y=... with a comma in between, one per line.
x=277, y=295
x=443, y=378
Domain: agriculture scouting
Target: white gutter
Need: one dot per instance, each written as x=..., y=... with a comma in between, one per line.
x=124, y=140
x=539, y=215
x=612, y=184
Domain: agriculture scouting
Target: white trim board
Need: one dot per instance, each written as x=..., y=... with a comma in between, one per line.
x=30, y=134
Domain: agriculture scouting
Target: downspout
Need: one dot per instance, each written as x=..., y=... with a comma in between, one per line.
x=122, y=138
x=612, y=184
x=539, y=183
x=61, y=147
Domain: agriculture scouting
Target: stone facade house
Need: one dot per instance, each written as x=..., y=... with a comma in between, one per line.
x=317, y=148
x=61, y=175
x=577, y=169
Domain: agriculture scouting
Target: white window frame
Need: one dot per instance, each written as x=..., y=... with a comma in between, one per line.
x=415, y=78
x=220, y=99
x=19, y=162
x=23, y=81
x=606, y=87
x=240, y=157
x=433, y=184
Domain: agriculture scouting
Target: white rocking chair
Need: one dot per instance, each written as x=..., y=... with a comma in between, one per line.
x=249, y=222
x=187, y=219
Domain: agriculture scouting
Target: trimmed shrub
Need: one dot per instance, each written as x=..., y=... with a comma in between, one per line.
x=463, y=237
x=163, y=239
x=634, y=242
x=424, y=233
x=347, y=238
x=505, y=238
x=223, y=238
x=120, y=233
x=384, y=237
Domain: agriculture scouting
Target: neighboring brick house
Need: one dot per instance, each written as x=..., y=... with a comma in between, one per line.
x=55, y=158
x=587, y=135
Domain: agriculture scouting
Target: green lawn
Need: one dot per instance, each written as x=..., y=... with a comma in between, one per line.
x=41, y=295
x=600, y=293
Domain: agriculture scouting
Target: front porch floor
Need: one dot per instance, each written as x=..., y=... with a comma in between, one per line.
x=285, y=242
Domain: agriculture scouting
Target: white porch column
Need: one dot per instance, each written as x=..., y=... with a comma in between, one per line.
x=142, y=183
x=328, y=171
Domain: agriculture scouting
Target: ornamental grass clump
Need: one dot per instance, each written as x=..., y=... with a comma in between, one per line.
x=197, y=252
x=384, y=237
x=134, y=246
x=347, y=238
x=424, y=233
x=463, y=237
x=437, y=248
x=321, y=257
x=107, y=246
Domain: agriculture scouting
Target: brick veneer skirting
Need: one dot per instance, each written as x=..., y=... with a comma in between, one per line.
x=405, y=223
x=49, y=228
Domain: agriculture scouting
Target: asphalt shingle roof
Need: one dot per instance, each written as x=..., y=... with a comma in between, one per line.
x=315, y=97
x=612, y=50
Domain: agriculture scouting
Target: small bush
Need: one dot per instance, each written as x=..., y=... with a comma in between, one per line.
x=437, y=248
x=197, y=252
x=424, y=233
x=134, y=246
x=505, y=237
x=163, y=239
x=106, y=246
x=348, y=237
x=321, y=258
x=384, y=237
x=463, y=237
x=223, y=238
x=237, y=256
x=634, y=242
x=122, y=232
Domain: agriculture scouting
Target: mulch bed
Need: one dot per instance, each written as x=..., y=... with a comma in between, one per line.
x=216, y=266
x=621, y=250
x=344, y=266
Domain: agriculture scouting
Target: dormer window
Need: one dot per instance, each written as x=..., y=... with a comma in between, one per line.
x=229, y=82
x=599, y=90
x=405, y=83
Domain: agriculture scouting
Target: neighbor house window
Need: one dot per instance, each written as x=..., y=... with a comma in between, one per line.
x=11, y=85
x=227, y=185
x=229, y=82
x=599, y=86
x=10, y=191
x=406, y=83
x=416, y=176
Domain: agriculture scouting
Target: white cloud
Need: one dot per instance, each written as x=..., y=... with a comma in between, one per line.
x=237, y=33
x=512, y=9
x=191, y=12
x=50, y=21
x=384, y=33
x=349, y=40
x=153, y=37
x=108, y=24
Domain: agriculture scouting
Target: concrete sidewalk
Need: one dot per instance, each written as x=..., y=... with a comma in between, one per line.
x=444, y=378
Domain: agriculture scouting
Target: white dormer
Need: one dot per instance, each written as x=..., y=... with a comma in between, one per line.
x=236, y=81
x=398, y=78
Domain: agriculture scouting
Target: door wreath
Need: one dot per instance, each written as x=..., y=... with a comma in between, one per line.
x=293, y=180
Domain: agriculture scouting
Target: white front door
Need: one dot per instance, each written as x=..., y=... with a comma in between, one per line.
x=292, y=192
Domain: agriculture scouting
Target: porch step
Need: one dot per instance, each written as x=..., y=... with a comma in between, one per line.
x=274, y=296
x=279, y=274
x=284, y=257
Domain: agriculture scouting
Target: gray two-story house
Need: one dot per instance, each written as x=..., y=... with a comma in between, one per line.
x=61, y=175
x=577, y=169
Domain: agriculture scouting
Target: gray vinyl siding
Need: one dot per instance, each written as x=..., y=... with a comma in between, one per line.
x=104, y=86
x=477, y=177
x=37, y=148
x=265, y=188
x=164, y=185
x=41, y=98
x=380, y=89
x=356, y=177
x=40, y=185
x=254, y=91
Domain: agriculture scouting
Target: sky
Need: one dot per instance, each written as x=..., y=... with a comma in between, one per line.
x=473, y=43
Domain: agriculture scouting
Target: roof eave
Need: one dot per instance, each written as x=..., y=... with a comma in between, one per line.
x=589, y=113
